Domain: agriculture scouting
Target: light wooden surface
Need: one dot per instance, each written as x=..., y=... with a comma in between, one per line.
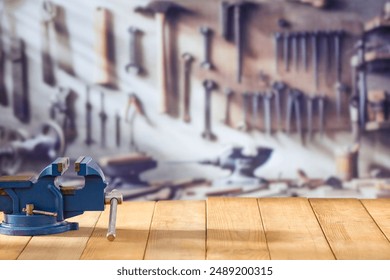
x=221, y=228
x=234, y=229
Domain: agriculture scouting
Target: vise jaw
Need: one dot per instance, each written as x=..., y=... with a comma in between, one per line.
x=39, y=206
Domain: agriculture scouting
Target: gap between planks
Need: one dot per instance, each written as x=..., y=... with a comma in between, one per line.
x=292, y=230
x=178, y=231
x=350, y=230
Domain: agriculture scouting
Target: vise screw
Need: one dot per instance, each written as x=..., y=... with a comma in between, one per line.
x=39, y=206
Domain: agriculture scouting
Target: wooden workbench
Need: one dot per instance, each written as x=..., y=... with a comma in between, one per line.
x=222, y=228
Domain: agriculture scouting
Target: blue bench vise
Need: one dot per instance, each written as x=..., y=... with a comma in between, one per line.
x=40, y=205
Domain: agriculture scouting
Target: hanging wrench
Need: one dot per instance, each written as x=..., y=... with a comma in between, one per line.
x=228, y=97
x=278, y=88
x=209, y=86
x=49, y=12
x=267, y=99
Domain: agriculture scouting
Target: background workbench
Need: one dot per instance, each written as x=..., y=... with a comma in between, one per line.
x=221, y=228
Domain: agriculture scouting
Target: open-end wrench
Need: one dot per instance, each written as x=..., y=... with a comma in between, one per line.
x=314, y=44
x=187, y=59
x=246, y=97
x=103, y=120
x=310, y=99
x=207, y=33
x=303, y=47
x=278, y=88
x=255, y=109
x=133, y=65
x=294, y=50
x=340, y=87
x=326, y=51
x=286, y=51
x=88, y=119
x=321, y=103
x=49, y=13
x=228, y=97
x=117, y=129
x=294, y=105
x=267, y=99
x=362, y=84
x=277, y=38
x=224, y=19
x=209, y=86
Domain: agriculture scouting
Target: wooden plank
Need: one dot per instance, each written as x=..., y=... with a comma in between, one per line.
x=11, y=246
x=350, y=230
x=178, y=231
x=379, y=210
x=235, y=230
x=133, y=223
x=292, y=230
x=65, y=246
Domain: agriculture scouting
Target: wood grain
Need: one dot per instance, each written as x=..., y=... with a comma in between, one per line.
x=64, y=246
x=350, y=230
x=234, y=229
x=292, y=230
x=178, y=231
x=133, y=223
x=11, y=246
x=379, y=209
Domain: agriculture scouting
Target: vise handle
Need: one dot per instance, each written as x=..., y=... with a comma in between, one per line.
x=113, y=198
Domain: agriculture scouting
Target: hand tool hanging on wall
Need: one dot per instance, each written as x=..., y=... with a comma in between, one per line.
x=21, y=102
x=228, y=100
x=246, y=101
x=48, y=15
x=3, y=91
x=340, y=87
x=103, y=121
x=63, y=104
x=267, y=101
x=294, y=106
x=187, y=61
x=133, y=108
x=88, y=118
x=315, y=58
x=256, y=98
x=237, y=9
x=17, y=146
x=286, y=51
x=38, y=206
x=278, y=89
x=161, y=9
x=361, y=83
x=321, y=101
x=134, y=65
x=277, y=40
x=209, y=86
x=207, y=34
x=294, y=50
x=117, y=129
x=102, y=48
x=303, y=46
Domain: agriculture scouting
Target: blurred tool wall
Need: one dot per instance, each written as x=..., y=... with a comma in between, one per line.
x=165, y=136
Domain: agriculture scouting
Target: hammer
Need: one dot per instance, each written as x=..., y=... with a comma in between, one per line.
x=161, y=10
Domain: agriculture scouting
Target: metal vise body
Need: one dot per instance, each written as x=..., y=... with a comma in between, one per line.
x=242, y=166
x=40, y=206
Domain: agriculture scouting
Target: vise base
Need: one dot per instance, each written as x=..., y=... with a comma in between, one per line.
x=39, y=206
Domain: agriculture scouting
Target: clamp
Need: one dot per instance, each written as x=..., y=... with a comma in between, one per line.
x=40, y=206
